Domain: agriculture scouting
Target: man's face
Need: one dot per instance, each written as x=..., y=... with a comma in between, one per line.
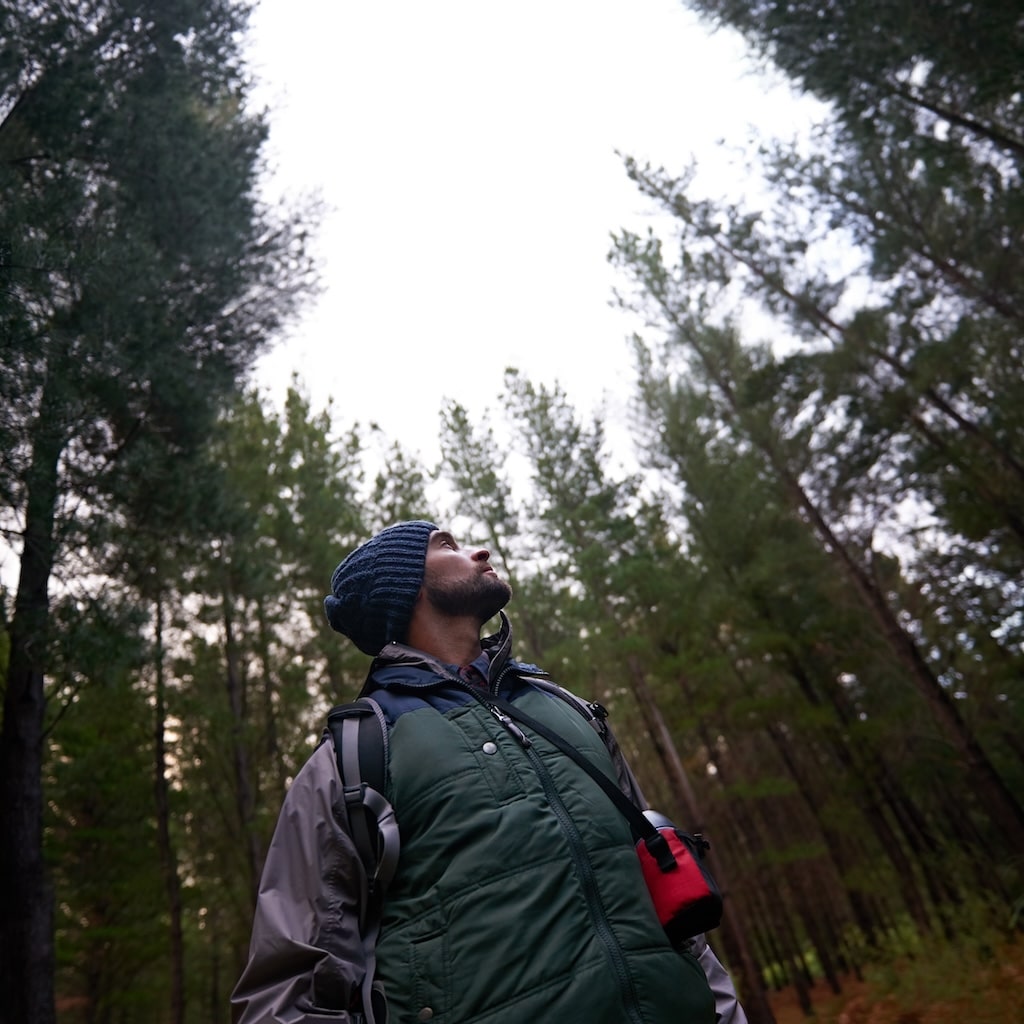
x=460, y=581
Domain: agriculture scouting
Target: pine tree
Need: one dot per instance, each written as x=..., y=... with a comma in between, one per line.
x=140, y=279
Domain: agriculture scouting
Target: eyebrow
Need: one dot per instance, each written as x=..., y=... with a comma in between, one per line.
x=444, y=535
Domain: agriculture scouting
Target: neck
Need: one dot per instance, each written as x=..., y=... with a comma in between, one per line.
x=455, y=641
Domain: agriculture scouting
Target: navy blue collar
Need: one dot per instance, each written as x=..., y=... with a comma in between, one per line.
x=399, y=665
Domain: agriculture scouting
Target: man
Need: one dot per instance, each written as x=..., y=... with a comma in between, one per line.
x=518, y=895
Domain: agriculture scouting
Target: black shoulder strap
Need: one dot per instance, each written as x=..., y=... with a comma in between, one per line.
x=359, y=734
x=642, y=828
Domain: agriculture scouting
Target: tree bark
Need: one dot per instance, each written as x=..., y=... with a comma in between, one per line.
x=26, y=897
x=245, y=801
x=271, y=747
x=168, y=857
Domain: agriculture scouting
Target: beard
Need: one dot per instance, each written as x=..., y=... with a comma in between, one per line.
x=482, y=596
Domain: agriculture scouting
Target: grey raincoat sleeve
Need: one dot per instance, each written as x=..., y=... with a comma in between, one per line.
x=306, y=956
x=727, y=1005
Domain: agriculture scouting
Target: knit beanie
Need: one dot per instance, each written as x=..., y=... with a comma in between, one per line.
x=374, y=589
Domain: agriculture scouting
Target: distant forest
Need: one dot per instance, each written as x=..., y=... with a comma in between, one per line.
x=803, y=606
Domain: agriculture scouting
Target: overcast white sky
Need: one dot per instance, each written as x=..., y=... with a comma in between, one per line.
x=466, y=151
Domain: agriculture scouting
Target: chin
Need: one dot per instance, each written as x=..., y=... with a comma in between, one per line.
x=502, y=594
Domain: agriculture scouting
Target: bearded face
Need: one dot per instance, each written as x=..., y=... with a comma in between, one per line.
x=481, y=593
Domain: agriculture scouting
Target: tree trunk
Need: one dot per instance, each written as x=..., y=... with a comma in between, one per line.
x=271, y=747
x=168, y=858
x=26, y=897
x=245, y=800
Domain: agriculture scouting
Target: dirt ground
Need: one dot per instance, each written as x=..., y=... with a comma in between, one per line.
x=992, y=993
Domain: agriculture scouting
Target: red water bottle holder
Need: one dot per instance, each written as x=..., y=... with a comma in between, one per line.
x=686, y=898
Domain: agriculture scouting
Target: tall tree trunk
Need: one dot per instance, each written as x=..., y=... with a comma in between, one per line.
x=168, y=857
x=271, y=746
x=26, y=897
x=245, y=800
x=215, y=998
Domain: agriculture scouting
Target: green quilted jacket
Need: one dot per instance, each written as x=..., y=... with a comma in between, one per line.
x=518, y=897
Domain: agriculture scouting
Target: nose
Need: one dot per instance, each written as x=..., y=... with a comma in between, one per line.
x=480, y=555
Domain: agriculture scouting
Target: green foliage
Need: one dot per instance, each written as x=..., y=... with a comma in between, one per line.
x=101, y=839
x=865, y=58
x=400, y=490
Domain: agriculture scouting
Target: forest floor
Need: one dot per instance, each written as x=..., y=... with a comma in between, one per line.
x=949, y=989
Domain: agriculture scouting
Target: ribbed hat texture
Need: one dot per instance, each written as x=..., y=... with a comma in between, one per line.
x=374, y=589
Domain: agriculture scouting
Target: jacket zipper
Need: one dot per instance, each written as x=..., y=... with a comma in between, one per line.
x=577, y=849
x=494, y=686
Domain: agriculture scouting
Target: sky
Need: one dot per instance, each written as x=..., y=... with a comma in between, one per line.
x=467, y=156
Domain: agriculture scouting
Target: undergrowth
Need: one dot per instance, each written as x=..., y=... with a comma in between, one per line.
x=977, y=979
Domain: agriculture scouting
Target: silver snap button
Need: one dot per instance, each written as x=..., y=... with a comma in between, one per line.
x=425, y=1014
x=490, y=748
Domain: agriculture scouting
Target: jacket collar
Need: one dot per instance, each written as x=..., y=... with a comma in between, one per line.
x=401, y=665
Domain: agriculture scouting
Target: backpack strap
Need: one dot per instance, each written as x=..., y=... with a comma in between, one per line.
x=641, y=826
x=597, y=715
x=359, y=733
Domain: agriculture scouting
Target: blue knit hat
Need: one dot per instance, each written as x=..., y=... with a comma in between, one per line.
x=374, y=589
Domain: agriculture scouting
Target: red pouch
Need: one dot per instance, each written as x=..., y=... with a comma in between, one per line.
x=685, y=895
